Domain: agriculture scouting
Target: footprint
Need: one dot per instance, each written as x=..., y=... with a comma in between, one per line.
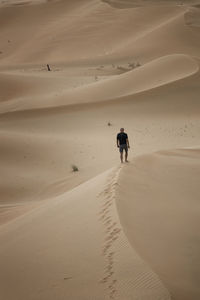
x=111, y=254
x=67, y=278
x=114, y=281
x=111, y=233
x=113, y=224
x=112, y=293
x=108, y=238
x=107, y=203
x=104, y=211
x=109, y=268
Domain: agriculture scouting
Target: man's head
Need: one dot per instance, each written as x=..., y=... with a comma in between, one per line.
x=121, y=129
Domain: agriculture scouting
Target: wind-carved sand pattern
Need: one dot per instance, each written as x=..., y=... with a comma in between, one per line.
x=112, y=230
x=124, y=276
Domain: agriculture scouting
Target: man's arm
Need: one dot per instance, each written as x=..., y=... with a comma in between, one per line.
x=117, y=141
x=127, y=142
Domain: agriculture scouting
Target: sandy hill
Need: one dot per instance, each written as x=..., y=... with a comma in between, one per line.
x=161, y=215
x=74, y=235
x=67, y=31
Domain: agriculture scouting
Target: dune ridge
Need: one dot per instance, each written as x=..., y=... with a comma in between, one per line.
x=158, y=207
x=81, y=25
x=142, y=78
x=118, y=272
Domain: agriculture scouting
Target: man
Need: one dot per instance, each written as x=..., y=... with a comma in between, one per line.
x=123, y=144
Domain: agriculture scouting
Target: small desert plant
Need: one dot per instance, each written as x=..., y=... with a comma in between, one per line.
x=74, y=168
x=109, y=124
x=131, y=65
x=138, y=64
x=123, y=69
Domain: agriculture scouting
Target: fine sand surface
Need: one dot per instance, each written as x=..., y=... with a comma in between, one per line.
x=158, y=204
x=108, y=231
x=73, y=247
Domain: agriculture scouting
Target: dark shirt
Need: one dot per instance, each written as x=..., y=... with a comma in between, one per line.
x=122, y=137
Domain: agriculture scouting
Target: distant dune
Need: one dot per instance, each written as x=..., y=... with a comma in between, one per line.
x=156, y=73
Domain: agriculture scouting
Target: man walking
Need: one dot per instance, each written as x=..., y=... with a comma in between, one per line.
x=123, y=144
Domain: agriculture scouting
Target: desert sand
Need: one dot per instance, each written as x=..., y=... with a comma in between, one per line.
x=111, y=230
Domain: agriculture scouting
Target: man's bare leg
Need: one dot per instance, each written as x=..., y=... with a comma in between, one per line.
x=121, y=157
x=126, y=156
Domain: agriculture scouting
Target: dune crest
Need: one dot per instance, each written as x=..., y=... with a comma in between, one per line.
x=158, y=204
x=153, y=74
x=161, y=71
x=100, y=260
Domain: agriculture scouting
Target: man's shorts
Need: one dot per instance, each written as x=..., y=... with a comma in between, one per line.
x=122, y=148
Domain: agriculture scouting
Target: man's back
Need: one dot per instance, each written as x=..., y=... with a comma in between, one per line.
x=122, y=138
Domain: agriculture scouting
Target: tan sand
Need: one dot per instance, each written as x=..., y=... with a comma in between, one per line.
x=146, y=77
x=131, y=63
x=158, y=204
x=74, y=247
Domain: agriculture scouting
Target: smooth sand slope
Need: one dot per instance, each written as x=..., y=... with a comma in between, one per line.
x=73, y=247
x=158, y=204
x=127, y=63
x=84, y=28
x=38, y=147
x=88, y=32
x=153, y=74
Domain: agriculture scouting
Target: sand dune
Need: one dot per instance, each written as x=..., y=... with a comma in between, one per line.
x=39, y=147
x=65, y=32
x=130, y=63
x=142, y=78
x=95, y=258
x=169, y=37
x=158, y=202
x=123, y=4
x=15, y=86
